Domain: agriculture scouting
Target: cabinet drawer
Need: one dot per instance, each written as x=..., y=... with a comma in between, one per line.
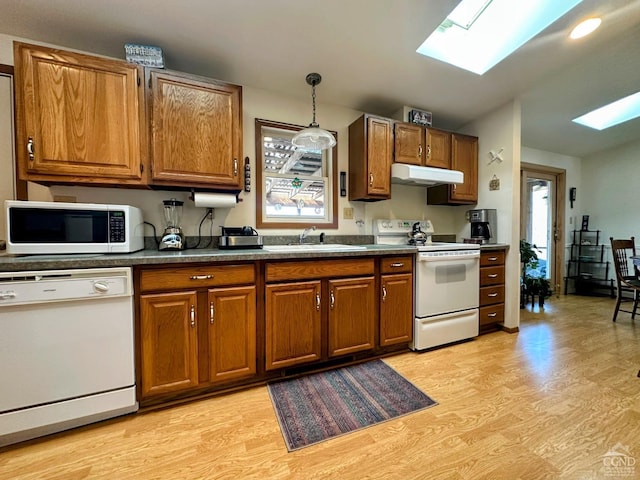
x=495, y=257
x=307, y=270
x=491, y=295
x=491, y=275
x=195, y=277
x=396, y=264
x=492, y=314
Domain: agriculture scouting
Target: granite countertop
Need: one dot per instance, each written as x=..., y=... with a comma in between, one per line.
x=494, y=246
x=14, y=263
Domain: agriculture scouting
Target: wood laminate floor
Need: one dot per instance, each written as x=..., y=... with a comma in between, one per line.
x=549, y=402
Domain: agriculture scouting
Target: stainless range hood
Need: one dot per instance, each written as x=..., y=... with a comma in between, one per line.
x=427, y=176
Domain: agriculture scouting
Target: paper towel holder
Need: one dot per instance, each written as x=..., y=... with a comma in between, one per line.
x=192, y=197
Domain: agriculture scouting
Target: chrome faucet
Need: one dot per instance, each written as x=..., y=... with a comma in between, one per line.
x=305, y=232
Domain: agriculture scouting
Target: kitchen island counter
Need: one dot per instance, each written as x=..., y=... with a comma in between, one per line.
x=13, y=263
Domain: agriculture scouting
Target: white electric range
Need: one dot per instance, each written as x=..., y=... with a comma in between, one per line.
x=446, y=283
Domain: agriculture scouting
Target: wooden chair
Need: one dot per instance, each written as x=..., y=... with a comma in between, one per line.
x=627, y=274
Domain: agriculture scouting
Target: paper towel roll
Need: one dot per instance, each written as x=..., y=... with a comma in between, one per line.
x=214, y=200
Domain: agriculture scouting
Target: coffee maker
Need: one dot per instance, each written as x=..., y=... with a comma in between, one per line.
x=484, y=225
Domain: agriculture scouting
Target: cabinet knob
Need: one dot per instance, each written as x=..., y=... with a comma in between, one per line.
x=31, y=148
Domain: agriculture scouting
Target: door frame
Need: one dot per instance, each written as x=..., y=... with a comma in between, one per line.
x=560, y=175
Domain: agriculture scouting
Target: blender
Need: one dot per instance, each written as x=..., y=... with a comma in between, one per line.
x=172, y=239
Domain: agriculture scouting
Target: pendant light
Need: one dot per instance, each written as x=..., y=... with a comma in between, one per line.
x=313, y=137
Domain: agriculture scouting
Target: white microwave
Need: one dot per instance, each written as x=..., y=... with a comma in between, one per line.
x=57, y=228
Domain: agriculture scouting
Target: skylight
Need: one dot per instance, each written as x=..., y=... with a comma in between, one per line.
x=620, y=111
x=478, y=34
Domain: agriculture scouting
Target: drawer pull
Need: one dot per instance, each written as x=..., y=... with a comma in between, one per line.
x=492, y=259
x=200, y=277
x=397, y=265
x=492, y=295
x=494, y=314
x=492, y=275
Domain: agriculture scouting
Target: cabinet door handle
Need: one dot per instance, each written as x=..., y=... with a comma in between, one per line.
x=192, y=315
x=333, y=299
x=200, y=277
x=235, y=167
x=492, y=275
x=492, y=259
x=492, y=314
x=428, y=151
x=397, y=265
x=370, y=179
x=31, y=148
x=211, y=312
x=384, y=293
x=492, y=295
x=317, y=301
x=420, y=151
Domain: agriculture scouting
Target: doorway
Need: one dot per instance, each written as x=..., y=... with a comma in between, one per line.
x=542, y=218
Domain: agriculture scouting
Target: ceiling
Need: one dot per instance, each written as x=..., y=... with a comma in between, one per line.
x=365, y=52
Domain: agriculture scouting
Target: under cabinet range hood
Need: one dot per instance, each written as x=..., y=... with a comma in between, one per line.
x=428, y=176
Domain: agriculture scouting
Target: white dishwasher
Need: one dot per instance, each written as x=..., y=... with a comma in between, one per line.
x=66, y=350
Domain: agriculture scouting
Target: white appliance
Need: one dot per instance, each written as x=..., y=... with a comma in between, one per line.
x=58, y=227
x=446, y=284
x=66, y=350
x=429, y=176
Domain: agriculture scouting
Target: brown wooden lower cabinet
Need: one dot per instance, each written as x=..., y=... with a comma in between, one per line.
x=492, y=289
x=351, y=316
x=396, y=309
x=202, y=336
x=205, y=328
x=169, y=342
x=293, y=324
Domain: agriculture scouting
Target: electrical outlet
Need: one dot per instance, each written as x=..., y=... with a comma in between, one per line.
x=347, y=213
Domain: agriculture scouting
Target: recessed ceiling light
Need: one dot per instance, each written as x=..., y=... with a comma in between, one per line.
x=620, y=111
x=478, y=34
x=585, y=27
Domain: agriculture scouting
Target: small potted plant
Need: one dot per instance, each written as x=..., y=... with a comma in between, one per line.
x=532, y=283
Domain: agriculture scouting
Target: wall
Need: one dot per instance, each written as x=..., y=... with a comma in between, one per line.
x=611, y=191
x=497, y=130
x=407, y=201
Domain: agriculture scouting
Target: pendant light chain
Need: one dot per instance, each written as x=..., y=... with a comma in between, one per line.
x=313, y=97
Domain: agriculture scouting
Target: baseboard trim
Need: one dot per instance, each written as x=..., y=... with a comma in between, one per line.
x=510, y=329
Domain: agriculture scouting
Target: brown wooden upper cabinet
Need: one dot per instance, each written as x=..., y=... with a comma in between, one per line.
x=418, y=145
x=370, y=158
x=196, y=131
x=464, y=157
x=83, y=119
x=78, y=118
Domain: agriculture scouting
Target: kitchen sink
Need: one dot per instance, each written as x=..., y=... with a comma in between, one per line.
x=309, y=247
